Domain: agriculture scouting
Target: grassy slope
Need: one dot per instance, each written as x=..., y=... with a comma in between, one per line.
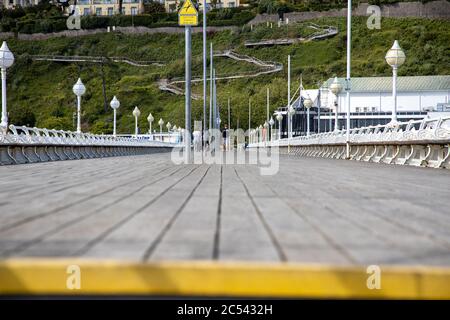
x=44, y=90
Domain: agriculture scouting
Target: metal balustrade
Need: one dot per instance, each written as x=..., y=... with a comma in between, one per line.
x=417, y=142
x=23, y=144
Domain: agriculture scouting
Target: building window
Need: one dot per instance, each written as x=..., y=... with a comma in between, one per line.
x=98, y=11
x=231, y=4
x=374, y=109
x=110, y=11
x=358, y=109
x=133, y=11
x=86, y=11
x=366, y=109
x=11, y=1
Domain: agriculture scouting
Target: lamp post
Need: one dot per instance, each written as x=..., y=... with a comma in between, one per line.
x=271, y=123
x=168, y=126
x=395, y=57
x=336, y=88
x=136, y=114
x=308, y=104
x=289, y=123
x=79, y=89
x=279, y=118
x=150, y=120
x=115, y=104
x=6, y=61
x=161, y=123
x=291, y=112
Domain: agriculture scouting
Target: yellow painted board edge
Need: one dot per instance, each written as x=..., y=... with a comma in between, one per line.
x=206, y=278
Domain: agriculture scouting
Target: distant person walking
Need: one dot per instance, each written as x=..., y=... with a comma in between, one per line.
x=226, y=137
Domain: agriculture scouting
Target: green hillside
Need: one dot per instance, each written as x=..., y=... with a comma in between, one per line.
x=40, y=93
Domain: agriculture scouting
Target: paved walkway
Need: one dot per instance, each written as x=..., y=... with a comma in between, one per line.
x=146, y=208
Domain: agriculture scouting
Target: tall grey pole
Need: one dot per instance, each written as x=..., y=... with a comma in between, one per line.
x=249, y=118
x=78, y=114
x=319, y=105
x=229, y=115
x=187, y=131
x=300, y=92
x=204, y=69
x=349, y=34
x=4, y=123
x=214, y=100
x=114, y=128
x=217, y=108
x=211, y=125
x=394, y=93
x=307, y=122
x=289, y=120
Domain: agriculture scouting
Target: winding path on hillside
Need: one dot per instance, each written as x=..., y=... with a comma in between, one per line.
x=94, y=59
x=267, y=67
x=171, y=85
x=322, y=32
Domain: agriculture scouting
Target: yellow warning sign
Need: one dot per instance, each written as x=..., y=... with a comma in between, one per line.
x=188, y=15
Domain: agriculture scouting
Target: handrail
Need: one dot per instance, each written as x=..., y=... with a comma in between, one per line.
x=23, y=135
x=427, y=129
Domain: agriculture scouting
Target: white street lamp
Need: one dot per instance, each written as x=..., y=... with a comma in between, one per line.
x=150, y=120
x=336, y=88
x=271, y=123
x=161, y=123
x=308, y=104
x=136, y=114
x=279, y=118
x=115, y=104
x=168, y=126
x=395, y=57
x=6, y=61
x=79, y=89
x=291, y=112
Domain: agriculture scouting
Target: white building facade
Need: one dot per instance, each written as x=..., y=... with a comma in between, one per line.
x=414, y=94
x=371, y=102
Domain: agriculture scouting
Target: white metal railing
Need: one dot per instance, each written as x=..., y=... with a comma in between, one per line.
x=22, y=135
x=425, y=130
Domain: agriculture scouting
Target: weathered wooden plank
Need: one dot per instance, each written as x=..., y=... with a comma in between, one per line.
x=136, y=237
x=312, y=210
x=192, y=236
x=15, y=212
x=24, y=235
x=78, y=237
x=242, y=234
x=298, y=239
